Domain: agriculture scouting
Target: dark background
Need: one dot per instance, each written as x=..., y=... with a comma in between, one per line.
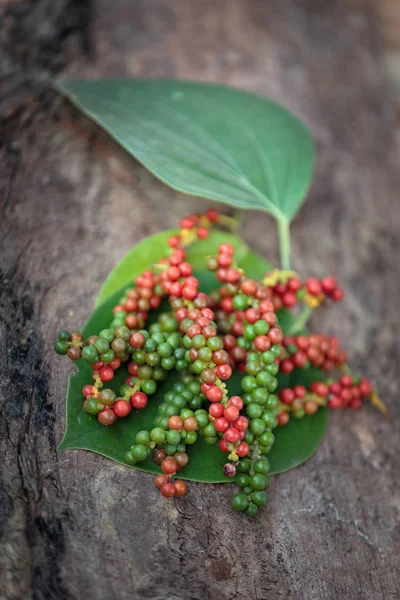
x=75, y=525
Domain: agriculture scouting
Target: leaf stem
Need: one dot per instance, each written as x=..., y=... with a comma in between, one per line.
x=301, y=321
x=284, y=243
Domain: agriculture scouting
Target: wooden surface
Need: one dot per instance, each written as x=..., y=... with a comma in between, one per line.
x=75, y=525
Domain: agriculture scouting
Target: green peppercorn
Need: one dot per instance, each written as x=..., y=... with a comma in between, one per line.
x=118, y=345
x=149, y=386
x=191, y=437
x=260, y=395
x=240, y=502
x=261, y=465
x=215, y=343
x=153, y=359
x=145, y=372
x=108, y=356
x=249, y=332
x=210, y=440
x=139, y=452
x=143, y=437
x=62, y=349
x=173, y=437
x=249, y=383
x=259, y=482
x=170, y=449
x=254, y=410
x=243, y=480
x=260, y=498
x=243, y=465
x=174, y=339
x=251, y=510
x=267, y=438
x=63, y=336
x=139, y=357
x=240, y=302
x=261, y=327
x=202, y=417
x=107, y=397
x=90, y=355
x=107, y=334
x=205, y=355
x=257, y=426
x=92, y=406
x=129, y=458
x=158, y=435
x=122, y=332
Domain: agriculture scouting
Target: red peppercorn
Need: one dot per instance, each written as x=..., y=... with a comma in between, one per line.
x=337, y=294
x=175, y=422
x=169, y=466
x=107, y=416
x=168, y=490
x=319, y=388
x=262, y=343
x=189, y=292
x=243, y=449
x=231, y=435
x=283, y=418
x=252, y=315
x=275, y=335
x=180, y=488
x=122, y=408
x=335, y=388
x=335, y=402
x=286, y=366
x=287, y=395
x=216, y=410
x=299, y=359
x=115, y=363
x=346, y=380
x=289, y=299
x=139, y=400
x=158, y=456
x=137, y=340
x=313, y=286
x=202, y=233
x=214, y=394
x=365, y=387
x=223, y=372
x=190, y=424
x=160, y=480
x=299, y=391
x=328, y=284
x=231, y=413
x=223, y=446
x=236, y=401
x=241, y=423
x=221, y=424
x=87, y=391
x=212, y=215
x=106, y=374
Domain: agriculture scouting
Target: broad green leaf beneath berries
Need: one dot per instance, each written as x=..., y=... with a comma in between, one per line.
x=295, y=443
x=206, y=139
x=152, y=248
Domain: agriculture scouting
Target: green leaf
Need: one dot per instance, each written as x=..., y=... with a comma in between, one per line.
x=205, y=139
x=294, y=444
x=152, y=248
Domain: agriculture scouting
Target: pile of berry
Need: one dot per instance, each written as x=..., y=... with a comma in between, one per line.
x=205, y=337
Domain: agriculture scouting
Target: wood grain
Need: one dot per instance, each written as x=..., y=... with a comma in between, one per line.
x=74, y=525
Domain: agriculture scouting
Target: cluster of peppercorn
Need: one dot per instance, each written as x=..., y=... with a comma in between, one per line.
x=204, y=338
x=288, y=289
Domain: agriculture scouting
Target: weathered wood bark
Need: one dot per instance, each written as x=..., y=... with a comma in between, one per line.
x=75, y=525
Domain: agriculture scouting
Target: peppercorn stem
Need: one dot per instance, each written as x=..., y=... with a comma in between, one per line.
x=284, y=243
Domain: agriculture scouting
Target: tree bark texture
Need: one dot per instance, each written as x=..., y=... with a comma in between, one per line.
x=75, y=525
